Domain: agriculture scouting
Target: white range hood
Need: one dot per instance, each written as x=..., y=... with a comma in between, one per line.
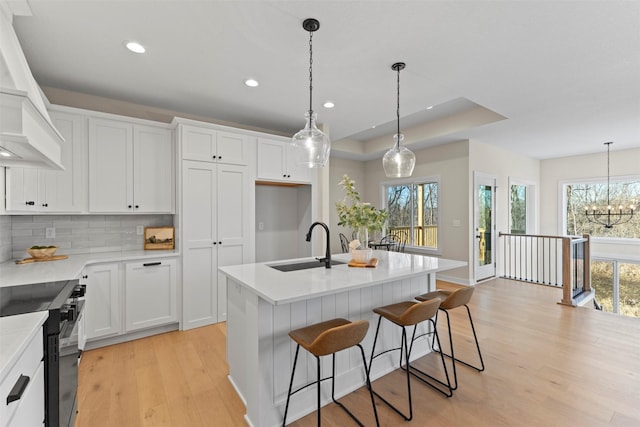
x=27, y=136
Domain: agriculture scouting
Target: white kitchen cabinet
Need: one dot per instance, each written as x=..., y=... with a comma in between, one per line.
x=276, y=161
x=150, y=293
x=209, y=145
x=130, y=167
x=25, y=382
x=32, y=190
x=215, y=232
x=103, y=304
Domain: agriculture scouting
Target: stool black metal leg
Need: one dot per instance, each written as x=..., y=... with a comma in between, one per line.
x=319, y=388
x=373, y=350
x=293, y=372
x=423, y=375
x=366, y=371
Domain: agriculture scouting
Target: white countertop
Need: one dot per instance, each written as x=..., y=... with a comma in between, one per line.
x=279, y=287
x=15, y=333
x=12, y=274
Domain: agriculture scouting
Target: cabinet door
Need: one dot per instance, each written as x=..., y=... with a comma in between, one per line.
x=152, y=170
x=232, y=227
x=200, y=244
x=232, y=148
x=22, y=190
x=110, y=166
x=102, y=301
x=198, y=143
x=150, y=293
x=271, y=160
x=295, y=171
x=64, y=191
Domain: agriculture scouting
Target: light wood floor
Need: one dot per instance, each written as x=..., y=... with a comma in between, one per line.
x=546, y=365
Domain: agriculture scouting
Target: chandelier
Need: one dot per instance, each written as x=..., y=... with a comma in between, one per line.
x=312, y=144
x=609, y=216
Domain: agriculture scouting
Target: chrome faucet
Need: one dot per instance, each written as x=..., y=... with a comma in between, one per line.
x=327, y=256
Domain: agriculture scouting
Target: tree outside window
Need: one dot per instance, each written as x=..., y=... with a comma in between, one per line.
x=413, y=211
x=518, y=204
x=585, y=195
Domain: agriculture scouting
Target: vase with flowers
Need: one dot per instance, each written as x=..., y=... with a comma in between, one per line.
x=359, y=216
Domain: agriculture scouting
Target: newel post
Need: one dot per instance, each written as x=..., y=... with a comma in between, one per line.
x=566, y=272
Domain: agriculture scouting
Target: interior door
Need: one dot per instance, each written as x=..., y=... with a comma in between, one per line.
x=484, y=226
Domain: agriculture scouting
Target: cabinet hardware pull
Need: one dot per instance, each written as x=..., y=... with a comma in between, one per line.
x=214, y=156
x=215, y=243
x=137, y=206
x=220, y=157
x=129, y=206
x=18, y=389
x=46, y=205
x=150, y=264
x=86, y=276
x=219, y=243
x=31, y=203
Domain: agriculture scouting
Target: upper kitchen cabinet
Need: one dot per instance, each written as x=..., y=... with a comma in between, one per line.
x=130, y=168
x=276, y=161
x=35, y=190
x=210, y=145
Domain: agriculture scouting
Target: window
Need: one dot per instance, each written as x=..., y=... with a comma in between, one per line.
x=617, y=286
x=583, y=195
x=414, y=211
x=521, y=206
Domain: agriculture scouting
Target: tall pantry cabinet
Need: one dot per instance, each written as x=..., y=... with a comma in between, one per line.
x=215, y=215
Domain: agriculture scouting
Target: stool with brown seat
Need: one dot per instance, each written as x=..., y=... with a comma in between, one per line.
x=322, y=339
x=449, y=301
x=404, y=314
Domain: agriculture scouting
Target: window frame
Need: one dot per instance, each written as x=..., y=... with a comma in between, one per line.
x=562, y=206
x=437, y=179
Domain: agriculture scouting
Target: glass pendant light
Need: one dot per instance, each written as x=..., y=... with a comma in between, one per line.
x=312, y=145
x=399, y=161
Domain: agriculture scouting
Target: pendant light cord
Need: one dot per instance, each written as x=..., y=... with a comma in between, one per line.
x=398, y=110
x=310, y=72
x=608, y=168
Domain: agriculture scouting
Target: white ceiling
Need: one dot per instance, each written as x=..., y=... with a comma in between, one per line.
x=554, y=78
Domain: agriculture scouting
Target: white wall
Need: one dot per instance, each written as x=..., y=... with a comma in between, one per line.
x=285, y=214
x=554, y=171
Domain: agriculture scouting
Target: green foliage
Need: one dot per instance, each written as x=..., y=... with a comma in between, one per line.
x=356, y=214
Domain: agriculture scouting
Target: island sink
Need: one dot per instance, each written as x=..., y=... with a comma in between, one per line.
x=303, y=265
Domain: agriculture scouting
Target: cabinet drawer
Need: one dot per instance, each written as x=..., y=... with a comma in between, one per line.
x=27, y=365
x=30, y=410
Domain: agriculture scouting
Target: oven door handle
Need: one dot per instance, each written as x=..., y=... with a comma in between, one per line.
x=18, y=389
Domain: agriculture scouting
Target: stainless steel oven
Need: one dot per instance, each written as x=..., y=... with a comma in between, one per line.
x=64, y=300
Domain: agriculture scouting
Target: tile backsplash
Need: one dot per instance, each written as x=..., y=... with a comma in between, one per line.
x=75, y=233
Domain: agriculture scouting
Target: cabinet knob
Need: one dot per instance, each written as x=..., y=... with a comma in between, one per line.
x=86, y=276
x=219, y=243
x=30, y=203
x=219, y=157
x=284, y=175
x=137, y=206
x=215, y=243
x=46, y=205
x=129, y=206
x=288, y=176
x=214, y=156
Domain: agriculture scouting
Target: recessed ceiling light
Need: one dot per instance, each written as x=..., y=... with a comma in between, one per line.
x=135, y=47
x=328, y=104
x=4, y=154
x=251, y=82
x=430, y=107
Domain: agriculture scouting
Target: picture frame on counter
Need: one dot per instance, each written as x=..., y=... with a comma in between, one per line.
x=159, y=238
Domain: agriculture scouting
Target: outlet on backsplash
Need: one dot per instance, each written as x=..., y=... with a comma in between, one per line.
x=139, y=230
x=50, y=232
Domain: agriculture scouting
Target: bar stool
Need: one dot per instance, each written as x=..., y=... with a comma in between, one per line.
x=451, y=300
x=322, y=339
x=404, y=314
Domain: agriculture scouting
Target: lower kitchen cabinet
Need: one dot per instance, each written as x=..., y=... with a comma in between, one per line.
x=129, y=296
x=22, y=389
x=150, y=293
x=102, y=310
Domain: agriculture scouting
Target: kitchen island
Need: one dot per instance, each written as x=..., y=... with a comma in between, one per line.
x=264, y=304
